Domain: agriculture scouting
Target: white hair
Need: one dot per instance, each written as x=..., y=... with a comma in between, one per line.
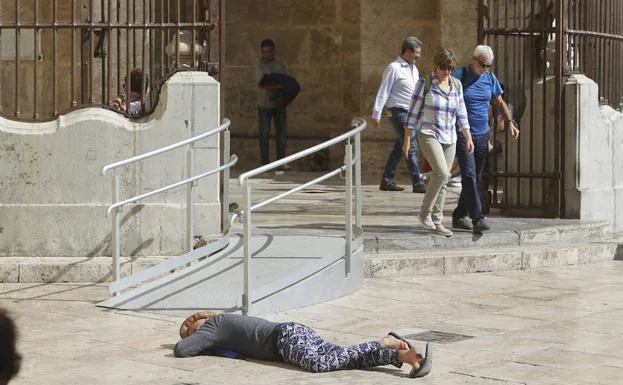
x=483, y=51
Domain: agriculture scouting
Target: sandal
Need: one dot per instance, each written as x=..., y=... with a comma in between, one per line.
x=425, y=366
x=395, y=335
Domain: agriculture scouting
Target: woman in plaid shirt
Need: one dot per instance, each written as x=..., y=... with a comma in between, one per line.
x=437, y=111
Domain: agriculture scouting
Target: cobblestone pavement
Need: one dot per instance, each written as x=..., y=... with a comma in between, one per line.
x=547, y=327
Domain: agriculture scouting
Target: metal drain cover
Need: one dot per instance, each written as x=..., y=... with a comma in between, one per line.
x=437, y=337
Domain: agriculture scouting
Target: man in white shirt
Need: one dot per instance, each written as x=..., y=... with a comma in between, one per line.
x=395, y=92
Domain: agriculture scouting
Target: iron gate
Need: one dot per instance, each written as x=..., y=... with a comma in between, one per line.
x=60, y=55
x=526, y=177
x=538, y=43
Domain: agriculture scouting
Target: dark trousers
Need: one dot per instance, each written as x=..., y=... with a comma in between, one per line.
x=279, y=116
x=472, y=167
x=399, y=120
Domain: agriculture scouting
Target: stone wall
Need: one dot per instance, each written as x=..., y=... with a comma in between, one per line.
x=54, y=197
x=337, y=49
x=319, y=42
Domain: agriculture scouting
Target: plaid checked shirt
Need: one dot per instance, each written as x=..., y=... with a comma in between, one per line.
x=438, y=114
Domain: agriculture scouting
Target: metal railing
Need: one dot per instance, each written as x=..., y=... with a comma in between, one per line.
x=594, y=45
x=359, y=125
x=61, y=55
x=117, y=203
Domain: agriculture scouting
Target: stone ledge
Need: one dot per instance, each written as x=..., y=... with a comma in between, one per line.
x=478, y=261
x=46, y=270
x=67, y=269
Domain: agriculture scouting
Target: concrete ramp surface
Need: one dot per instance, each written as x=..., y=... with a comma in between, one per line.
x=286, y=272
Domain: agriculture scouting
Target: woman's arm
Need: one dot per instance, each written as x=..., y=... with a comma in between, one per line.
x=462, y=123
x=415, y=115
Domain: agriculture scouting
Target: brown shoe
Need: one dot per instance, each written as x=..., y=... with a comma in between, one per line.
x=419, y=189
x=390, y=187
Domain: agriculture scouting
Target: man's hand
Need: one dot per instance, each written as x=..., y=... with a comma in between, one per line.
x=117, y=104
x=514, y=131
x=469, y=143
x=469, y=147
x=406, y=148
x=376, y=123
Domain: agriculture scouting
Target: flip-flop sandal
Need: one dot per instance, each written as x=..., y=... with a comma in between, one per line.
x=395, y=335
x=426, y=366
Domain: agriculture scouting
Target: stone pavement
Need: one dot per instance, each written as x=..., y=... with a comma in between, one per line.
x=543, y=326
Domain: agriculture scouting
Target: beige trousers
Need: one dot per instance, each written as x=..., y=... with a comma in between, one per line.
x=440, y=158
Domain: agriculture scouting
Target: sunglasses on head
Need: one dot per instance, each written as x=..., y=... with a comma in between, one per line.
x=447, y=67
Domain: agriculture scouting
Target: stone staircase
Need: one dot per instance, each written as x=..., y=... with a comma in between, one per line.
x=516, y=245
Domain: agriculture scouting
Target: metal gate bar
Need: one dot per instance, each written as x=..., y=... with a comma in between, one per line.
x=62, y=55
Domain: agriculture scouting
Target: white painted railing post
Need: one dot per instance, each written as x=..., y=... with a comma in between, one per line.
x=225, y=184
x=349, y=202
x=358, y=200
x=116, y=231
x=190, y=198
x=246, y=300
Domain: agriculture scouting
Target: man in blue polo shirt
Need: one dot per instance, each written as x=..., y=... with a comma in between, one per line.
x=480, y=88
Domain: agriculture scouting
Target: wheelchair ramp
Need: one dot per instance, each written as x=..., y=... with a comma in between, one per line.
x=287, y=272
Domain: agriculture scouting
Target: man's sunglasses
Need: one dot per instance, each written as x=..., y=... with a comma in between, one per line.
x=484, y=65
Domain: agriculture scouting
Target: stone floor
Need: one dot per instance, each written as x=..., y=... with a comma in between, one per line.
x=546, y=327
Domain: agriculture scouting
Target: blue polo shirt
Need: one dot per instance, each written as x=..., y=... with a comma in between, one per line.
x=478, y=92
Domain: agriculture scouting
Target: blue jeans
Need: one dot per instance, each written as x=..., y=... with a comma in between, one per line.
x=472, y=167
x=399, y=120
x=279, y=116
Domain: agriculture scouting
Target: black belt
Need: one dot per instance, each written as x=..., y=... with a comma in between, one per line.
x=398, y=109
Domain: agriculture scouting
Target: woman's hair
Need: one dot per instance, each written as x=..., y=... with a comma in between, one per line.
x=445, y=59
x=9, y=359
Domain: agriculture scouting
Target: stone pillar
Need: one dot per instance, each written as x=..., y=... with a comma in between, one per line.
x=589, y=163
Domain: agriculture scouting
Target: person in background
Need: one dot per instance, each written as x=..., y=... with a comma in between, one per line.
x=481, y=87
x=436, y=113
x=269, y=105
x=395, y=92
x=133, y=106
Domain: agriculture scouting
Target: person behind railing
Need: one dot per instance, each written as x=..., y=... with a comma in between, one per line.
x=132, y=105
x=481, y=88
x=10, y=360
x=436, y=113
x=238, y=336
x=395, y=92
x=276, y=89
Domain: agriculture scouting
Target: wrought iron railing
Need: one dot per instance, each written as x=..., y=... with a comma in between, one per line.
x=60, y=55
x=594, y=42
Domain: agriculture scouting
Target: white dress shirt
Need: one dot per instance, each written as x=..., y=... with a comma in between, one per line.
x=396, y=90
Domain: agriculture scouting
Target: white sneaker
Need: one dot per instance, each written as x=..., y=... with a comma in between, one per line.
x=441, y=230
x=427, y=221
x=455, y=181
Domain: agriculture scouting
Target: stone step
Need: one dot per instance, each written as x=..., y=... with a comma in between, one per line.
x=507, y=233
x=487, y=260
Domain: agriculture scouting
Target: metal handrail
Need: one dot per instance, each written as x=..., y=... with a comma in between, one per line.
x=350, y=161
x=359, y=122
x=117, y=203
x=224, y=126
x=233, y=160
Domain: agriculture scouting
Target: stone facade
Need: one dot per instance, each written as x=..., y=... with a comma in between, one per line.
x=337, y=49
